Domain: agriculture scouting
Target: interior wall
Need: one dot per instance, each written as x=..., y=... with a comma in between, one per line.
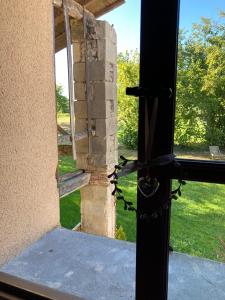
x=29, y=201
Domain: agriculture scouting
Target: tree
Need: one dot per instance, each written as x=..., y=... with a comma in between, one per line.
x=61, y=101
x=128, y=76
x=200, y=102
x=200, y=113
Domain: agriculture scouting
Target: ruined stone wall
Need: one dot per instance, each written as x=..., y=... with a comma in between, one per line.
x=95, y=69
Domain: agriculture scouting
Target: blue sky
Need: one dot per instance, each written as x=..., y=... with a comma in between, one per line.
x=126, y=20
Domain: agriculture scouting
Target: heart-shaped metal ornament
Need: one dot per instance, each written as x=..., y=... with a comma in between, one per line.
x=148, y=186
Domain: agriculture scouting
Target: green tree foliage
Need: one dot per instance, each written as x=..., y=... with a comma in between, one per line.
x=200, y=107
x=128, y=76
x=61, y=101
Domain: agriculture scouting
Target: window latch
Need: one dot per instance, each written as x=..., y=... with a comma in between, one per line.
x=139, y=91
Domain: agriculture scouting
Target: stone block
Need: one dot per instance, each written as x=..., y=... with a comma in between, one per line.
x=81, y=109
x=98, y=160
x=105, y=90
x=79, y=72
x=98, y=210
x=99, y=91
x=92, y=50
x=99, y=145
x=79, y=52
x=82, y=161
x=80, y=91
x=102, y=161
x=98, y=110
x=97, y=70
x=106, y=30
x=115, y=156
x=100, y=29
x=77, y=30
x=101, y=127
x=80, y=124
x=107, y=51
x=82, y=146
x=110, y=72
x=76, y=52
x=101, y=110
x=112, y=107
x=112, y=144
x=105, y=127
x=103, y=145
x=116, y=144
x=102, y=71
x=91, y=33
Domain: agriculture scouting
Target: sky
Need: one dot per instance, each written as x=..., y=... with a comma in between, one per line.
x=126, y=21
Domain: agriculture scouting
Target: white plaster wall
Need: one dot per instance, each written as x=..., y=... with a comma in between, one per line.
x=29, y=202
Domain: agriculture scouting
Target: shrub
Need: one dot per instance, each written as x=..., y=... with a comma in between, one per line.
x=120, y=233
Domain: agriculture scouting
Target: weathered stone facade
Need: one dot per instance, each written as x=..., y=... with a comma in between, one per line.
x=95, y=75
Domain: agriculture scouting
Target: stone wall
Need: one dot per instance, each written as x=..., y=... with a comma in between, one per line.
x=95, y=70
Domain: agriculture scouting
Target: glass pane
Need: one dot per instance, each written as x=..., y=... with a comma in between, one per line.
x=198, y=229
x=200, y=107
x=198, y=223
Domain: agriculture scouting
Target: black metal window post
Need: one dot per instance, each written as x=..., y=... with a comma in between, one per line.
x=159, y=33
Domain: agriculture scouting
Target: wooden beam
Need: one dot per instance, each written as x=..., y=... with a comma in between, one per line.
x=58, y=20
x=60, y=42
x=61, y=130
x=70, y=175
x=78, y=135
x=75, y=10
x=71, y=182
x=84, y=2
x=65, y=138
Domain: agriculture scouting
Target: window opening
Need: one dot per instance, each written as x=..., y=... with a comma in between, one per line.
x=70, y=77
x=71, y=179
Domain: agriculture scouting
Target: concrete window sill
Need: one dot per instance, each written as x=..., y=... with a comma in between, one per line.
x=99, y=268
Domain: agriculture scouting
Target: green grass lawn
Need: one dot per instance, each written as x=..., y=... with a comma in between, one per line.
x=63, y=119
x=198, y=217
x=69, y=205
x=66, y=164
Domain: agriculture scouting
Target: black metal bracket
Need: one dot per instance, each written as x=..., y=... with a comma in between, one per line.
x=187, y=169
x=139, y=91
